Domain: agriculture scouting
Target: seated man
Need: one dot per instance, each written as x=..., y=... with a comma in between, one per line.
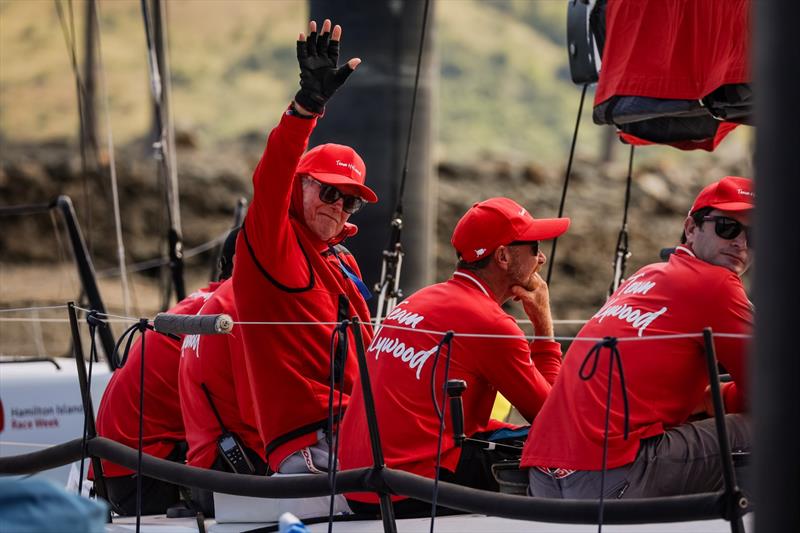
x=497, y=243
x=663, y=453
x=163, y=433
x=215, y=401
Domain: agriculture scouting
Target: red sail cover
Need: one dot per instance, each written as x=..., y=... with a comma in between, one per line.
x=675, y=49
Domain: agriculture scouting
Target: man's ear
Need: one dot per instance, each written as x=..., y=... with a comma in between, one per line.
x=501, y=257
x=689, y=227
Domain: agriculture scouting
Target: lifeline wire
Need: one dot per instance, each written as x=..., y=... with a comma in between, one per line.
x=478, y=335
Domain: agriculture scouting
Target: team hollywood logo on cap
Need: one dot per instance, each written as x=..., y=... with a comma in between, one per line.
x=731, y=193
x=337, y=165
x=498, y=221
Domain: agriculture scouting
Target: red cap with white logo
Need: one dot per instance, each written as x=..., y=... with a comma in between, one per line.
x=498, y=221
x=731, y=193
x=337, y=165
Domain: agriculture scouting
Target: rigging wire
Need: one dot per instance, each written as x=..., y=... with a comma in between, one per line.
x=68, y=30
x=388, y=287
x=112, y=167
x=162, y=148
x=623, y=253
x=566, y=180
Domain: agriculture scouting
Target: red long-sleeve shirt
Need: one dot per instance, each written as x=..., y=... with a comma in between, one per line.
x=283, y=273
x=664, y=378
x=400, y=366
x=216, y=361
x=118, y=415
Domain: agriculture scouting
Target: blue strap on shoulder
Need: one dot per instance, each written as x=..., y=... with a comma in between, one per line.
x=362, y=287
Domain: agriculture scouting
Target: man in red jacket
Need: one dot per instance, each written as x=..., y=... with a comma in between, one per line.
x=497, y=243
x=163, y=432
x=664, y=379
x=291, y=268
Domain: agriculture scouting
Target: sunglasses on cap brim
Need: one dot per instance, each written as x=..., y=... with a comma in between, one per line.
x=729, y=228
x=330, y=195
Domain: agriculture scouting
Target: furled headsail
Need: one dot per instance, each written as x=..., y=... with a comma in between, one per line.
x=673, y=72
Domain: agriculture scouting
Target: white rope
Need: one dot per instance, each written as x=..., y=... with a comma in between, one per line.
x=555, y=322
x=121, y=318
x=24, y=309
x=54, y=320
x=112, y=171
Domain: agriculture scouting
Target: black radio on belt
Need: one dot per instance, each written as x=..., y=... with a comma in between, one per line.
x=233, y=453
x=229, y=445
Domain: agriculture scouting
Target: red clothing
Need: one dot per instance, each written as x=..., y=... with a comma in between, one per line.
x=118, y=415
x=677, y=49
x=283, y=273
x=665, y=378
x=217, y=361
x=400, y=363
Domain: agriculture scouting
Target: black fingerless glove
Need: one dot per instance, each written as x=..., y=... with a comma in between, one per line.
x=320, y=76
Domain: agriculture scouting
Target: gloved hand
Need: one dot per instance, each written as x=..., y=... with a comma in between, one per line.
x=320, y=75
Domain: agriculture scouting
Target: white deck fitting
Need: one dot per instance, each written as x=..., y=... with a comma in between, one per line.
x=446, y=524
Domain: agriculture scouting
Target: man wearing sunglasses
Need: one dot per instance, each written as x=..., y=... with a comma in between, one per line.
x=499, y=258
x=291, y=268
x=652, y=447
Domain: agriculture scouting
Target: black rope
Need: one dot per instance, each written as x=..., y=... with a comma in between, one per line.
x=94, y=322
x=337, y=350
x=141, y=327
x=623, y=253
x=447, y=339
x=614, y=355
x=566, y=180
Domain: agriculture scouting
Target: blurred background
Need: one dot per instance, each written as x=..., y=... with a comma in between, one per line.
x=495, y=118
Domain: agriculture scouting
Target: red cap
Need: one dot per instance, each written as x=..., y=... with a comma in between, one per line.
x=498, y=221
x=336, y=164
x=731, y=193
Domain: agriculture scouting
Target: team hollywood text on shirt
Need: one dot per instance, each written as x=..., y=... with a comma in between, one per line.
x=638, y=318
x=415, y=359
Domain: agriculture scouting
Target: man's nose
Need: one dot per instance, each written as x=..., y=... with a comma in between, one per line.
x=741, y=240
x=339, y=204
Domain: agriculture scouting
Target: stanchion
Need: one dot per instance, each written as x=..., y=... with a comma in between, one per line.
x=86, y=398
x=387, y=510
x=735, y=501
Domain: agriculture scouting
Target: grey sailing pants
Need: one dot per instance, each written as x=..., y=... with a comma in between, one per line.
x=682, y=460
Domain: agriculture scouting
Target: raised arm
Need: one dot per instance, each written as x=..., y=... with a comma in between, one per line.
x=267, y=224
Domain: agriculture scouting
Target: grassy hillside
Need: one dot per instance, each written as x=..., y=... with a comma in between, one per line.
x=504, y=86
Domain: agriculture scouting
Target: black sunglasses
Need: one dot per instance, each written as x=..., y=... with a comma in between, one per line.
x=729, y=228
x=330, y=195
x=533, y=244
